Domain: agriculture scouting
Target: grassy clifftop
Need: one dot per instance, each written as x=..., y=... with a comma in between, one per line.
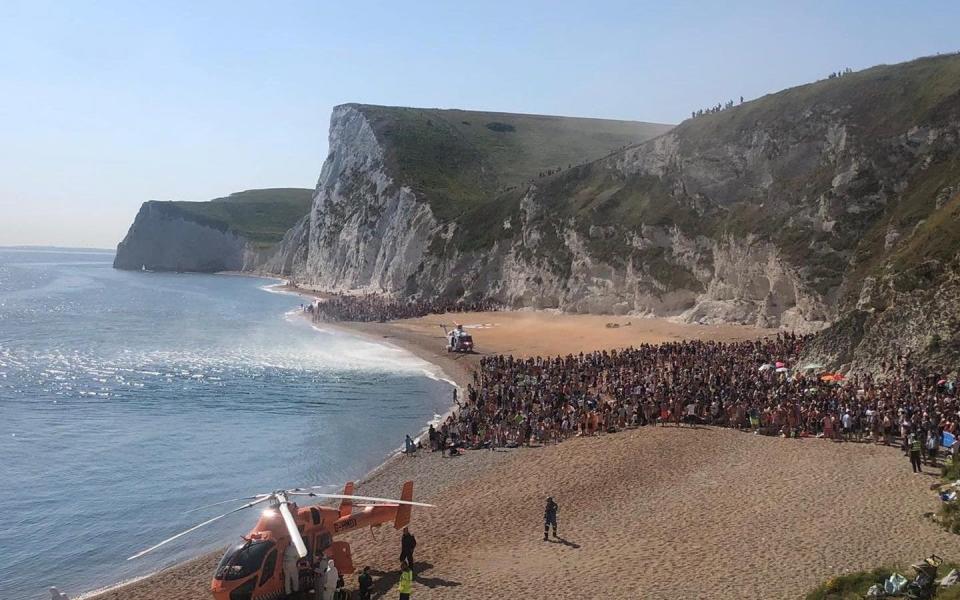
x=825, y=170
x=261, y=216
x=459, y=159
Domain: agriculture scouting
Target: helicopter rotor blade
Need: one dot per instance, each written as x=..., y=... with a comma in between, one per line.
x=291, y=524
x=362, y=498
x=195, y=527
x=257, y=497
x=330, y=486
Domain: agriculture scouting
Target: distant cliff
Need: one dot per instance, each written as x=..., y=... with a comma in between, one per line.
x=235, y=233
x=829, y=203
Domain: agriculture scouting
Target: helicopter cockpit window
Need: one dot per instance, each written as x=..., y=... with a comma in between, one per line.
x=243, y=559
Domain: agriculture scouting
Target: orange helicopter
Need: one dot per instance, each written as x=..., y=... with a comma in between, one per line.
x=254, y=568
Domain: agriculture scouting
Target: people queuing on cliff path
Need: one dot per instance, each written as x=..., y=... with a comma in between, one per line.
x=515, y=401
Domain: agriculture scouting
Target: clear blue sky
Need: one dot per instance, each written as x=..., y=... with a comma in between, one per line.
x=105, y=104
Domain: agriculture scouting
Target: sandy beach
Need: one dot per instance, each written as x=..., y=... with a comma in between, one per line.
x=654, y=512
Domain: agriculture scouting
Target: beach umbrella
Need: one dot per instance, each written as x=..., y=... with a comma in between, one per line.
x=948, y=439
x=765, y=367
x=941, y=382
x=812, y=367
x=782, y=369
x=779, y=364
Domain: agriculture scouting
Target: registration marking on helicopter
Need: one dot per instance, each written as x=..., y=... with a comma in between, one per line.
x=351, y=522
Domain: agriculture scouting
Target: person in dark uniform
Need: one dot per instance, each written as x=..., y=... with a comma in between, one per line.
x=407, y=545
x=550, y=517
x=365, y=580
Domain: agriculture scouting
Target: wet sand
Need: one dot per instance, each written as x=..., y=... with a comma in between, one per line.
x=647, y=513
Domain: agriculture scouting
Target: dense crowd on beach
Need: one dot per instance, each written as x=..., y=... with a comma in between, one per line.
x=745, y=385
x=380, y=308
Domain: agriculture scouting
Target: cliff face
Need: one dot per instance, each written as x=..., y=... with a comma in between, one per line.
x=365, y=231
x=160, y=241
x=244, y=231
x=819, y=204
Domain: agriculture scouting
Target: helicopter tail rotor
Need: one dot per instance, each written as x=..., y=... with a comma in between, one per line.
x=403, y=511
x=346, y=505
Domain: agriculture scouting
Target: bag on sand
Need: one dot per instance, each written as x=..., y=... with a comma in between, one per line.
x=876, y=591
x=952, y=579
x=895, y=584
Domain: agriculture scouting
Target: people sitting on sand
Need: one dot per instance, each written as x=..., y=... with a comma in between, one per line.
x=380, y=308
x=513, y=401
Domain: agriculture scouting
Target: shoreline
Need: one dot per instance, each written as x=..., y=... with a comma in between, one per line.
x=458, y=380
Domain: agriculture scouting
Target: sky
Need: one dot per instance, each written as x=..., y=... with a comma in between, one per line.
x=106, y=104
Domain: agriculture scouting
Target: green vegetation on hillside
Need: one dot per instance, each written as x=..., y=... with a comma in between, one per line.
x=879, y=101
x=715, y=188
x=261, y=216
x=458, y=159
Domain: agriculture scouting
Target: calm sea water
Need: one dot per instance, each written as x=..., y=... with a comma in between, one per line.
x=128, y=398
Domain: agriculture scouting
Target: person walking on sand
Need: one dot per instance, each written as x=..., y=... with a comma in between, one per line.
x=406, y=581
x=408, y=544
x=365, y=581
x=914, y=445
x=550, y=517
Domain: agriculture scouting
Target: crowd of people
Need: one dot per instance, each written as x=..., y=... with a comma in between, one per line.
x=514, y=401
x=380, y=308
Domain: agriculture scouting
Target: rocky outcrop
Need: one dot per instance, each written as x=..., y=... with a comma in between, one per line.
x=289, y=255
x=164, y=240
x=366, y=231
x=249, y=231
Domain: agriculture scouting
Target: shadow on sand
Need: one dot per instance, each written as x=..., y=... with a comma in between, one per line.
x=385, y=582
x=564, y=542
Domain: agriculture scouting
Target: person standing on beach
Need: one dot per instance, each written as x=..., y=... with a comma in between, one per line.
x=291, y=570
x=914, y=444
x=365, y=581
x=330, y=578
x=406, y=581
x=408, y=544
x=550, y=517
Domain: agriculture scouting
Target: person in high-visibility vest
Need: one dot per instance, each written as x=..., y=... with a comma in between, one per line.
x=406, y=581
x=914, y=443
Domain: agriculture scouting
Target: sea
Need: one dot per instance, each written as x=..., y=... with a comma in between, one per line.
x=127, y=399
